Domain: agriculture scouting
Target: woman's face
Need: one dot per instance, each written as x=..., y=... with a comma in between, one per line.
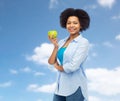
x=73, y=25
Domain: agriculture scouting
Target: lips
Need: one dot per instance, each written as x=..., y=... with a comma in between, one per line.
x=71, y=29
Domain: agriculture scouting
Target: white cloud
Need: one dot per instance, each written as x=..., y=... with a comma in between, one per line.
x=45, y=88
x=91, y=7
x=92, y=46
x=104, y=81
x=13, y=71
x=93, y=98
x=26, y=69
x=106, y=3
x=41, y=54
x=117, y=17
x=53, y=3
x=5, y=84
x=108, y=44
x=39, y=100
x=39, y=74
x=117, y=37
x=94, y=54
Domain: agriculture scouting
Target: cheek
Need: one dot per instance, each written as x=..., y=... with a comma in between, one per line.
x=67, y=27
x=79, y=27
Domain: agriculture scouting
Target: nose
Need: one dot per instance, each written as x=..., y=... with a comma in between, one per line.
x=71, y=25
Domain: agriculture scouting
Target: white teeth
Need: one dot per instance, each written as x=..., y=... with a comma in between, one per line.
x=71, y=29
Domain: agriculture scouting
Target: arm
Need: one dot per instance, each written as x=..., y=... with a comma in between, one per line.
x=77, y=59
x=52, y=58
x=58, y=67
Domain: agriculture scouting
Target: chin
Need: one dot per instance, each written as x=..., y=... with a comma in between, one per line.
x=72, y=33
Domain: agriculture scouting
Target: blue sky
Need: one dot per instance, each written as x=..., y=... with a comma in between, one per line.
x=24, y=48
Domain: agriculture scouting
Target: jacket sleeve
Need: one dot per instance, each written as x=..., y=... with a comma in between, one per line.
x=77, y=59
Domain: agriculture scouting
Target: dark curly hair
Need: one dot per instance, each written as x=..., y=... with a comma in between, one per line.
x=83, y=17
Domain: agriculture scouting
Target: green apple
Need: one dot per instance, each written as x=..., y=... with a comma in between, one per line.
x=52, y=34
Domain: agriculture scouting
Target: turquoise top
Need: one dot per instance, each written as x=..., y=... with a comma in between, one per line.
x=60, y=54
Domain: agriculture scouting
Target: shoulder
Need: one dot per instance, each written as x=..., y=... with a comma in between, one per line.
x=62, y=40
x=83, y=40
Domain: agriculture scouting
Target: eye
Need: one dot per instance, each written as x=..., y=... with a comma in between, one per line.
x=68, y=23
x=75, y=22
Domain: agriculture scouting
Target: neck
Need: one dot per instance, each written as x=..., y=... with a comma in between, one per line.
x=73, y=36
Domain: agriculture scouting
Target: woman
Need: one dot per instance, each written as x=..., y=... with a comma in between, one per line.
x=69, y=55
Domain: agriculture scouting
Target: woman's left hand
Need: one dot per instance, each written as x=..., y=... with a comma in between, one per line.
x=58, y=67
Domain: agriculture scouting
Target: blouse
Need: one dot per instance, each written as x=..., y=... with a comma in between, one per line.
x=60, y=54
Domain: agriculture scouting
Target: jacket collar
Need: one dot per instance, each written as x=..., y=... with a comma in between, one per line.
x=75, y=39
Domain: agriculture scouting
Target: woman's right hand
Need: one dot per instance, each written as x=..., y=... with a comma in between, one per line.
x=54, y=41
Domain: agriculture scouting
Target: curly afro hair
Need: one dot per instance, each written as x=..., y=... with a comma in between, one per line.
x=83, y=17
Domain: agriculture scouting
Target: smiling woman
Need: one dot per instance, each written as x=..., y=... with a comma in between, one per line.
x=68, y=57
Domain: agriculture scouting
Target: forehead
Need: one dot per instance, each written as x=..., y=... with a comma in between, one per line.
x=73, y=18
